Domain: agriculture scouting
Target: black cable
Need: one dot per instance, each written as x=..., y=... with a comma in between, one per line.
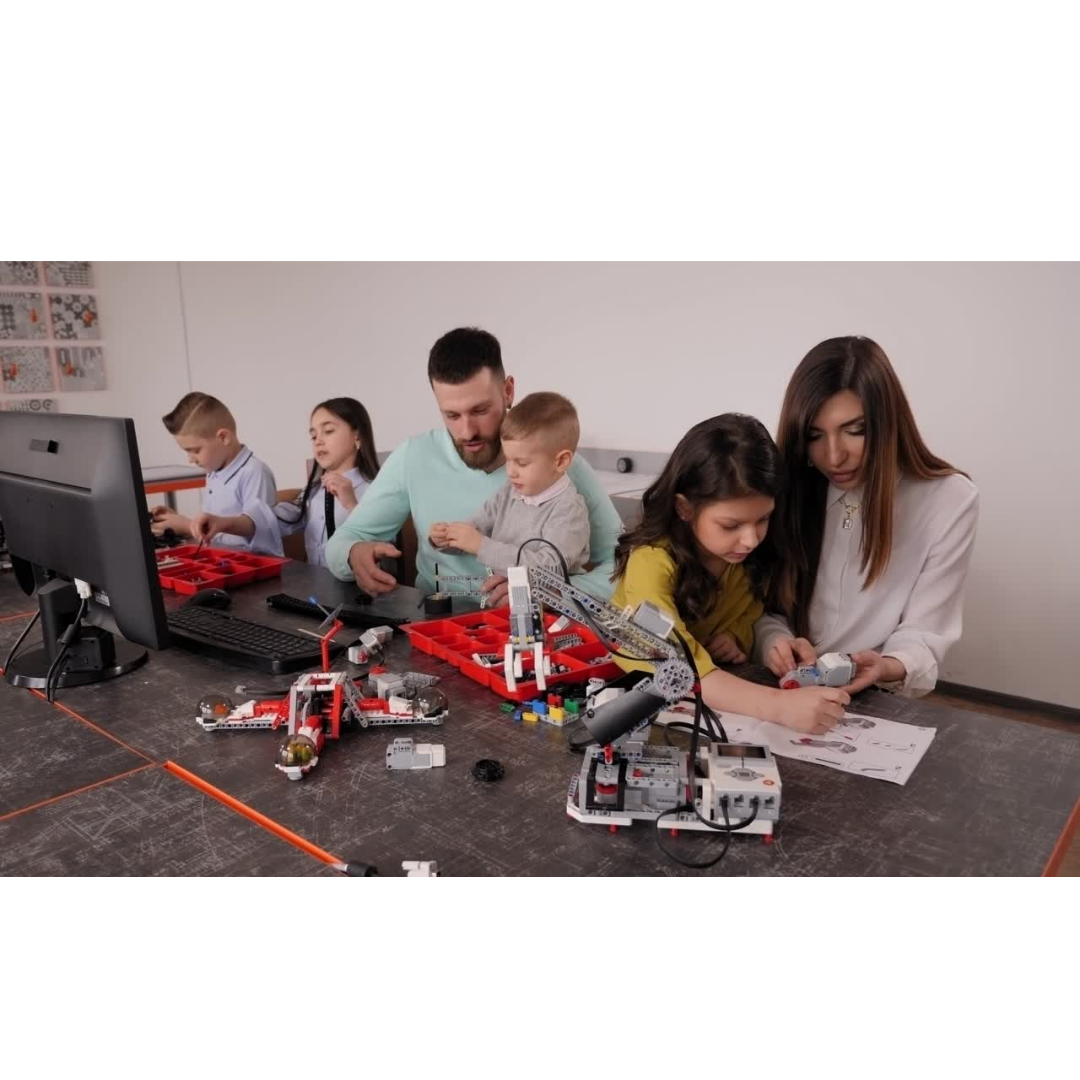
x=705, y=864
x=541, y=540
x=300, y=503
x=66, y=638
x=699, y=707
x=701, y=710
x=689, y=727
x=19, y=640
x=712, y=720
x=50, y=691
x=727, y=826
x=727, y=829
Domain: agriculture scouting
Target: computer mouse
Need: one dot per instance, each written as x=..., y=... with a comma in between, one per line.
x=211, y=598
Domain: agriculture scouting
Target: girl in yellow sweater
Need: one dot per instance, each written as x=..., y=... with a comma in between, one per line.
x=698, y=555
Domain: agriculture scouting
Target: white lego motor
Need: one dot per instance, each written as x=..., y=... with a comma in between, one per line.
x=370, y=646
x=832, y=669
x=526, y=637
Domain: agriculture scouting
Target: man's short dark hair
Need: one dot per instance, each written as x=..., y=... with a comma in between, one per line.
x=457, y=356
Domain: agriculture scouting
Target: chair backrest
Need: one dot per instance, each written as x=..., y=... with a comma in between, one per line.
x=407, y=544
x=293, y=545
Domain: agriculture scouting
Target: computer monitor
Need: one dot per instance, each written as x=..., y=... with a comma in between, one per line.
x=73, y=507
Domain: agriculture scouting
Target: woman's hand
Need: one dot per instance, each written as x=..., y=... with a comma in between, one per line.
x=786, y=654
x=871, y=667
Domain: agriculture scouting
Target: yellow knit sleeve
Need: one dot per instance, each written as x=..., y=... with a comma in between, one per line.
x=650, y=575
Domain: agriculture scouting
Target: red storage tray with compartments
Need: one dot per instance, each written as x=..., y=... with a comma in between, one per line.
x=188, y=570
x=457, y=638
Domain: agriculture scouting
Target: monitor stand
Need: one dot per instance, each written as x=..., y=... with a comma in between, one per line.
x=93, y=656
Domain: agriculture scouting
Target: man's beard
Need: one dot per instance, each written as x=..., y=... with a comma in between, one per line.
x=482, y=458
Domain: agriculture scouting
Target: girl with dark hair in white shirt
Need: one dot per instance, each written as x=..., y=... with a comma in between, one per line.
x=344, y=463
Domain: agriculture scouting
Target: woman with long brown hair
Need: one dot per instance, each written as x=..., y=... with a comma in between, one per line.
x=876, y=533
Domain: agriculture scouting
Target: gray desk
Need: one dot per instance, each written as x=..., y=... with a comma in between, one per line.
x=991, y=796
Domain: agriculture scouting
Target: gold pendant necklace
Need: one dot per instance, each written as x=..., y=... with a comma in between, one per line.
x=850, y=509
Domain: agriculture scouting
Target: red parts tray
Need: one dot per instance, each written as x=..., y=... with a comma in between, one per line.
x=184, y=571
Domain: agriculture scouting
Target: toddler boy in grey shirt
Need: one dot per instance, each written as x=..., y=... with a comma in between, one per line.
x=539, y=436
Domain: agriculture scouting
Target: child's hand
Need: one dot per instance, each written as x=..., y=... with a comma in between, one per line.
x=164, y=518
x=813, y=710
x=496, y=589
x=341, y=488
x=786, y=654
x=437, y=535
x=204, y=526
x=461, y=535
x=724, y=649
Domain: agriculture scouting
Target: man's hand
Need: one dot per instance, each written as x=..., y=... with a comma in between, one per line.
x=364, y=561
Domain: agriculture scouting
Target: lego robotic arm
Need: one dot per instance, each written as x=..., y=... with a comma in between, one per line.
x=645, y=633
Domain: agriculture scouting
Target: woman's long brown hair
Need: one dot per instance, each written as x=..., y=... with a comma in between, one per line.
x=893, y=446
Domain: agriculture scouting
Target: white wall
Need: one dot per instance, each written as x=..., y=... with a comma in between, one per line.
x=142, y=332
x=988, y=355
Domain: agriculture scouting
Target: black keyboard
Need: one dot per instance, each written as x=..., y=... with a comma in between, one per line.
x=248, y=644
x=350, y=615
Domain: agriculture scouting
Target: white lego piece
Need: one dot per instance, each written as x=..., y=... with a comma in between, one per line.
x=649, y=617
x=420, y=868
x=436, y=751
x=541, y=666
x=508, y=667
x=747, y=775
x=387, y=683
x=609, y=693
x=371, y=642
x=832, y=669
x=404, y=754
x=837, y=668
x=399, y=706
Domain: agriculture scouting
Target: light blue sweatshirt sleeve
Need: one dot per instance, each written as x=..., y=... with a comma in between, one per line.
x=605, y=527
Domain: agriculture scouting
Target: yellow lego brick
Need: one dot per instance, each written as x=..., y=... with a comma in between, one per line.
x=530, y=716
x=557, y=715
